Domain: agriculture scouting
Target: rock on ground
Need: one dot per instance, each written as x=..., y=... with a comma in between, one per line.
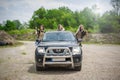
x=6, y=39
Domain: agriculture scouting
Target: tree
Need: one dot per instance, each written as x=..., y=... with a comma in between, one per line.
x=63, y=15
x=51, y=18
x=1, y=27
x=116, y=6
x=17, y=24
x=24, y=26
x=40, y=13
x=109, y=23
x=87, y=19
x=37, y=17
x=9, y=26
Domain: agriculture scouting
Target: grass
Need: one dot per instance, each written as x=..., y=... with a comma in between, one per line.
x=21, y=32
x=1, y=61
x=23, y=53
x=14, y=45
x=30, y=62
x=9, y=58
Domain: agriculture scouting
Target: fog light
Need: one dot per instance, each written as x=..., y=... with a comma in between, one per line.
x=39, y=60
x=77, y=60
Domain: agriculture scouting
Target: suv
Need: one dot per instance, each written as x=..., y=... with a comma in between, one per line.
x=58, y=48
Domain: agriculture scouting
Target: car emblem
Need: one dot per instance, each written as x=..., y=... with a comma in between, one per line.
x=58, y=50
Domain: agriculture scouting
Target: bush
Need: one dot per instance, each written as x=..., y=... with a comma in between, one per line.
x=23, y=34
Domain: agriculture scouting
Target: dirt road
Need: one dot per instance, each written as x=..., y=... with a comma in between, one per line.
x=100, y=62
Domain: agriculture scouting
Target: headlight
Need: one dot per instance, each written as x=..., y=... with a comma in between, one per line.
x=76, y=50
x=41, y=49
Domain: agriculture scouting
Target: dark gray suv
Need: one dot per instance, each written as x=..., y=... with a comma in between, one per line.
x=58, y=48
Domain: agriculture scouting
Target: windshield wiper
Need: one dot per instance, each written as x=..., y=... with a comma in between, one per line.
x=63, y=40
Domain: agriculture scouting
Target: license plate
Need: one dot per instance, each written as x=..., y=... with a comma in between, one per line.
x=58, y=59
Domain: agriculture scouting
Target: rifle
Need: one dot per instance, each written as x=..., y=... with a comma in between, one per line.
x=37, y=32
x=83, y=33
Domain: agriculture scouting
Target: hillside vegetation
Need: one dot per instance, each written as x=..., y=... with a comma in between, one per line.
x=109, y=22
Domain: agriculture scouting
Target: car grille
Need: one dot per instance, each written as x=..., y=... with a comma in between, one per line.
x=58, y=50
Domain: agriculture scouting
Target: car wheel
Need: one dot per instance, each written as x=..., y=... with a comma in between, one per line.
x=78, y=68
x=39, y=68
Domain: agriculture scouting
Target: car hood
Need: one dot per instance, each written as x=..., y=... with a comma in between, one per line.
x=58, y=44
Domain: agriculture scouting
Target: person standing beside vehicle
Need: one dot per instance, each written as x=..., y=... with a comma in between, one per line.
x=60, y=28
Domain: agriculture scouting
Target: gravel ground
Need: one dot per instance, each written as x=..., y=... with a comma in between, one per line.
x=100, y=62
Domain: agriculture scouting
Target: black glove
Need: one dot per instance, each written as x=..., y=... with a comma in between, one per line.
x=83, y=33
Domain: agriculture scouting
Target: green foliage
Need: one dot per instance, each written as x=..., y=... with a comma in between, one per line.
x=9, y=26
x=93, y=22
x=24, y=26
x=116, y=6
x=23, y=53
x=1, y=27
x=17, y=24
x=109, y=23
x=88, y=18
x=63, y=15
x=21, y=32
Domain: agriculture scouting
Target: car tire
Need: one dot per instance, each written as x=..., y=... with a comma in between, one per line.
x=78, y=68
x=39, y=68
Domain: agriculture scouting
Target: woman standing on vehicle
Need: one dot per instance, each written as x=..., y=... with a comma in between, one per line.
x=60, y=28
x=40, y=32
x=80, y=33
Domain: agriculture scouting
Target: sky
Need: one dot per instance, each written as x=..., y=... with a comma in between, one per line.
x=23, y=9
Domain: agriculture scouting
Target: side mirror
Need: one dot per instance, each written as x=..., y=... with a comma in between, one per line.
x=37, y=42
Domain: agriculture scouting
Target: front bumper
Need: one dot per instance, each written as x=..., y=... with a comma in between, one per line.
x=77, y=59
x=65, y=58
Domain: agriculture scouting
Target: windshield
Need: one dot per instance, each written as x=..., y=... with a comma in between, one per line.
x=59, y=36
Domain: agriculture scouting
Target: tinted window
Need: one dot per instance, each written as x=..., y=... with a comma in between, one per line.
x=59, y=36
